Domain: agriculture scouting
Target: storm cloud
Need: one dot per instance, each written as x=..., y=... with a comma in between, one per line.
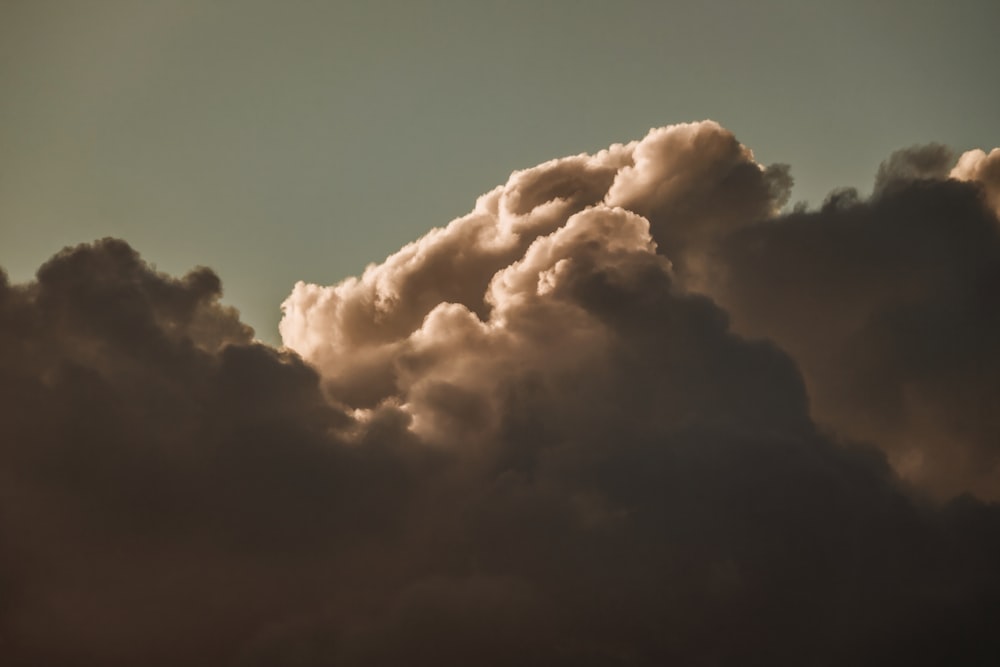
x=626, y=411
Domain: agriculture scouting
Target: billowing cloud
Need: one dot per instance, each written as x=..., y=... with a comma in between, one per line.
x=624, y=412
x=887, y=305
x=890, y=308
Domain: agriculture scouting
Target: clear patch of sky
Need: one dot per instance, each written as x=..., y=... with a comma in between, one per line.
x=302, y=140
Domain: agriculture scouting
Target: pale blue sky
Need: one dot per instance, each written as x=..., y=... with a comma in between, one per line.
x=285, y=140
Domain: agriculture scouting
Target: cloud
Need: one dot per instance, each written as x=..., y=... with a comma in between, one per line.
x=578, y=426
x=888, y=305
x=930, y=162
x=980, y=167
x=167, y=483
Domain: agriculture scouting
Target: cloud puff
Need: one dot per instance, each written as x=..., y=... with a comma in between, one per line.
x=566, y=429
x=978, y=166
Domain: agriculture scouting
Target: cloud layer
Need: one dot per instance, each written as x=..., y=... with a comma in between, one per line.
x=624, y=412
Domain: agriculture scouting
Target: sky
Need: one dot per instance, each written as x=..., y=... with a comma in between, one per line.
x=455, y=335
x=278, y=142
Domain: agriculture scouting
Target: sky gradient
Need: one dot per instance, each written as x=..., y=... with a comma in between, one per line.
x=674, y=395
x=285, y=141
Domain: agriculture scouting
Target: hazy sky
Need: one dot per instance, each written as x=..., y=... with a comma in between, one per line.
x=278, y=141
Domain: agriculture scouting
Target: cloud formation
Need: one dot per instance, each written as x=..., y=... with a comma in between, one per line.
x=624, y=412
x=887, y=304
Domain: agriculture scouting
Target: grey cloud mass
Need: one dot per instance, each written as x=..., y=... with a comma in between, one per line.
x=625, y=412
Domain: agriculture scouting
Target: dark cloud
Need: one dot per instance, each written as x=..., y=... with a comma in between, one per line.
x=531, y=437
x=890, y=308
x=169, y=485
x=930, y=162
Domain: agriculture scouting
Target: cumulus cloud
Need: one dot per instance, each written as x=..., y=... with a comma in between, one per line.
x=887, y=304
x=624, y=412
x=889, y=307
